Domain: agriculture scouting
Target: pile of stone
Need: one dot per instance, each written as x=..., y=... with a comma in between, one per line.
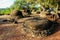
x=39, y=26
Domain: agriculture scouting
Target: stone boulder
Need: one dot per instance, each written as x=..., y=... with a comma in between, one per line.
x=39, y=26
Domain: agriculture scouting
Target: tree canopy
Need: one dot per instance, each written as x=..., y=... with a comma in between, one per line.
x=30, y=4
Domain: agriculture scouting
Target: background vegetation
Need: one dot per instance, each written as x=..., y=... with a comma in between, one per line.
x=30, y=4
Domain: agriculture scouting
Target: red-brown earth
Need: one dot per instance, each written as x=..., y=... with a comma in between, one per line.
x=13, y=31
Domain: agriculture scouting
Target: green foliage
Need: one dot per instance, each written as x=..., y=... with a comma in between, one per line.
x=5, y=11
x=33, y=4
x=30, y=4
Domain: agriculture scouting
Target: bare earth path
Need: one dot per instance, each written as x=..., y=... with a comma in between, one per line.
x=13, y=31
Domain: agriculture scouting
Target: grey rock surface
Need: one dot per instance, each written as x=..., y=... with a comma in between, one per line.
x=39, y=26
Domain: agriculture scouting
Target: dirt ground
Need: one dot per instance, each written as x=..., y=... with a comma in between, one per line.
x=13, y=31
